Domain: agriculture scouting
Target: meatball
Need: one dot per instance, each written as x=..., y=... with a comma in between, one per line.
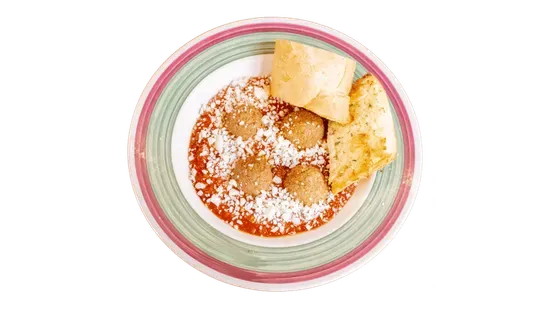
x=303, y=128
x=307, y=184
x=243, y=121
x=252, y=175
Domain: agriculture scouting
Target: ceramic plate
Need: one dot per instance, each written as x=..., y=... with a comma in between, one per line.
x=157, y=153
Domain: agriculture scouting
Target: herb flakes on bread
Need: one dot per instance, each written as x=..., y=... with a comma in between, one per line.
x=366, y=144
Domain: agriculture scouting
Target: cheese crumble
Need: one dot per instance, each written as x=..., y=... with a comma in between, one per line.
x=214, y=152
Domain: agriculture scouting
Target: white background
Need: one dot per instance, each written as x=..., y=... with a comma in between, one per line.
x=73, y=240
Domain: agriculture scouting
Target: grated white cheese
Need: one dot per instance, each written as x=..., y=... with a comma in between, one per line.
x=228, y=150
x=215, y=199
x=276, y=206
x=286, y=154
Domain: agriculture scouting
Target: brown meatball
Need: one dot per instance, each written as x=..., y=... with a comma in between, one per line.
x=307, y=184
x=303, y=128
x=243, y=121
x=252, y=175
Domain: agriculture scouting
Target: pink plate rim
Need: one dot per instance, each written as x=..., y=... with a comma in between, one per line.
x=269, y=280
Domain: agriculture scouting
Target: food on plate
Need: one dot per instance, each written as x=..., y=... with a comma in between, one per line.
x=253, y=175
x=253, y=199
x=243, y=121
x=312, y=78
x=307, y=184
x=303, y=128
x=368, y=142
x=264, y=163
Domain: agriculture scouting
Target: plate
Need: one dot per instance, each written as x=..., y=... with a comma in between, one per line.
x=157, y=154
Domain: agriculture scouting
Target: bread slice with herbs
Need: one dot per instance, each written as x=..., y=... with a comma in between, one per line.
x=366, y=144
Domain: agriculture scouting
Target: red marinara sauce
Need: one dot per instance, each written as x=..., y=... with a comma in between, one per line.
x=207, y=183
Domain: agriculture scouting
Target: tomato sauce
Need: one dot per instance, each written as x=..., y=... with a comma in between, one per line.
x=246, y=222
